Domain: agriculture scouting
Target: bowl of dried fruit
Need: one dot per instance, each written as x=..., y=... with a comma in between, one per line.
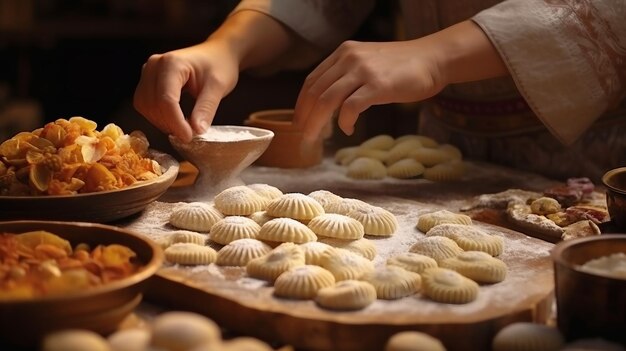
x=63, y=275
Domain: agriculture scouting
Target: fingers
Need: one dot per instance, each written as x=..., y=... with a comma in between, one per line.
x=203, y=112
x=312, y=88
x=362, y=99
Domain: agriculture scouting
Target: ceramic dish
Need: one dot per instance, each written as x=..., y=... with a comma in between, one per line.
x=23, y=322
x=98, y=207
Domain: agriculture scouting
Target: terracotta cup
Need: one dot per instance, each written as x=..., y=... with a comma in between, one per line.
x=589, y=305
x=615, y=183
x=287, y=149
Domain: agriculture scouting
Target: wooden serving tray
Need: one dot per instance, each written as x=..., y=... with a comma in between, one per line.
x=247, y=306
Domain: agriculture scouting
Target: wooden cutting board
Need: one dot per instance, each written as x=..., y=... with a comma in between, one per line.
x=247, y=306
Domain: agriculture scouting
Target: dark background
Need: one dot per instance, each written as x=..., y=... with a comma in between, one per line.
x=62, y=58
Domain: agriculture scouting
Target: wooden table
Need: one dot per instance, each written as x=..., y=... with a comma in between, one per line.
x=244, y=306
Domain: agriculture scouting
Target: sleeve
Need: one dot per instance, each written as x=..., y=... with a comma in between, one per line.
x=322, y=24
x=567, y=57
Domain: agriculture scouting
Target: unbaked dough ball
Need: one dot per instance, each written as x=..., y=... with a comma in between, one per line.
x=524, y=336
x=413, y=341
x=75, y=340
x=180, y=331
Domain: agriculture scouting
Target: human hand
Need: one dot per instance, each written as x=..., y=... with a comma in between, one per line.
x=208, y=71
x=362, y=74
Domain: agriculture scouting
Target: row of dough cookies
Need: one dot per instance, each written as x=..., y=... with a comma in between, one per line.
x=409, y=156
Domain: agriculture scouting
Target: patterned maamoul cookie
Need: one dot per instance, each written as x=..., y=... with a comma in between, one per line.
x=344, y=206
x=424, y=140
x=363, y=247
x=179, y=331
x=524, y=336
x=185, y=236
x=454, y=151
x=266, y=191
x=376, y=220
x=345, y=153
x=445, y=172
x=346, y=295
x=279, y=260
x=313, y=251
x=241, y=251
x=302, y=282
x=260, y=217
x=413, y=341
x=470, y=238
x=380, y=142
x=324, y=197
x=406, y=168
x=446, y=285
x=366, y=168
x=74, y=339
x=380, y=155
x=479, y=266
x=412, y=262
x=130, y=339
x=426, y=221
x=334, y=225
x=196, y=216
x=241, y=343
x=286, y=230
x=430, y=156
x=295, y=205
x=190, y=254
x=393, y=282
x=164, y=242
x=233, y=228
x=344, y=264
x=437, y=247
x=239, y=201
x=402, y=150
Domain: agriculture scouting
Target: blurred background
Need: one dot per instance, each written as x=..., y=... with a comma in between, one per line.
x=63, y=58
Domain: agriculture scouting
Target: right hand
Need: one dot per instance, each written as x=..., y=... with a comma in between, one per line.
x=208, y=71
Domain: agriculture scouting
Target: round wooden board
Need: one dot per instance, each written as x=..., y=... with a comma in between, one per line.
x=247, y=306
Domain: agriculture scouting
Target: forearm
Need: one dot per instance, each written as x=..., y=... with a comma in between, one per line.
x=254, y=38
x=465, y=54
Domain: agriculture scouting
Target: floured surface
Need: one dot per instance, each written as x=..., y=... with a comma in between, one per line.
x=529, y=281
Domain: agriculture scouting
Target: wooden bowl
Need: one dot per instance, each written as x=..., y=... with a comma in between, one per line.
x=99, y=207
x=286, y=149
x=589, y=305
x=24, y=322
x=615, y=183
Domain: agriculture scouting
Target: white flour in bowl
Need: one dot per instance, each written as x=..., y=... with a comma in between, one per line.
x=218, y=134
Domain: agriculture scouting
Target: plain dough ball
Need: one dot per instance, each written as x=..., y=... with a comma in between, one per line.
x=180, y=331
x=75, y=340
x=129, y=340
x=525, y=336
x=413, y=341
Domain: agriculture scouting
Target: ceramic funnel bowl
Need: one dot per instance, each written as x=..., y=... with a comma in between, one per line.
x=220, y=155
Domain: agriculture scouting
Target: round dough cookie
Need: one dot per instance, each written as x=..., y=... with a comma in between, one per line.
x=74, y=340
x=376, y=220
x=427, y=221
x=469, y=238
x=448, y=286
x=479, y=266
x=344, y=206
x=344, y=264
x=445, y=172
x=402, y=150
x=380, y=155
x=286, y=230
x=280, y=259
x=523, y=336
x=437, y=247
x=185, y=236
x=363, y=247
x=424, y=140
x=180, y=331
x=393, y=282
x=190, y=254
x=334, y=225
x=302, y=282
x=239, y=201
x=412, y=262
x=380, y=142
x=295, y=205
x=196, y=216
x=324, y=197
x=241, y=251
x=430, y=156
x=266, y=191
x=406, y=168
x=413, y=341
x=232, y=228
x=346, y=295
x=130, y=340
x=366, y=168
x=260, y=217
x=313, y=251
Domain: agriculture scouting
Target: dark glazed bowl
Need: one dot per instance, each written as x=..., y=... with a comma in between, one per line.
x=24, y=322
x=588, y=304
x=615, y=183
